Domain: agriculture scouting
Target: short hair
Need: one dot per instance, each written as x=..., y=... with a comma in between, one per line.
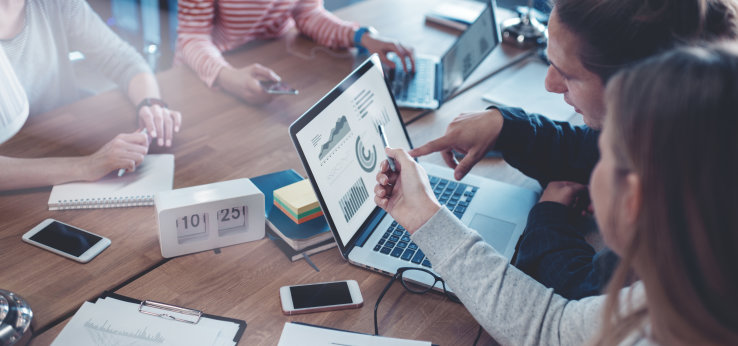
x=617, y=33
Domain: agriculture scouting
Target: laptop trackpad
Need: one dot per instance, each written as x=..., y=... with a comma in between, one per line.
x=494, y=231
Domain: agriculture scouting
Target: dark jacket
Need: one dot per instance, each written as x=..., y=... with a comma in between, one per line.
x=552, y=248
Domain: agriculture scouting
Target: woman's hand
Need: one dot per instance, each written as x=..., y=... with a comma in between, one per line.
x=245, y=82
x=160, y=122
x=381, y=46
x=406, y=193
x=125, y=151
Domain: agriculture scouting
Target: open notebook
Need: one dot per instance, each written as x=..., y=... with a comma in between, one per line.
x=133, y=189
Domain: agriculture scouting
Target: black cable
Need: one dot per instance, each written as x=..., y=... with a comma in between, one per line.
x=479, y=334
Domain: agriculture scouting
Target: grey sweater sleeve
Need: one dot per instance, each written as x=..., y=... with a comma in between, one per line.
x=512, y=307
x=87, y=33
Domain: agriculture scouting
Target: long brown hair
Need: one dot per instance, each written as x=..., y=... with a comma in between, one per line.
x=617, y=33
x=674, y=120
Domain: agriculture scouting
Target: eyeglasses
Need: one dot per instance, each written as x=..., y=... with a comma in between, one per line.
x=409, y=278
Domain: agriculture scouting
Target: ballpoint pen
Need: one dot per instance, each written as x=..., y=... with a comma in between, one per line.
x=390, y=160
x=123, y=170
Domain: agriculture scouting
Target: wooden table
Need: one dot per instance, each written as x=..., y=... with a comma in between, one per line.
x=223, y=138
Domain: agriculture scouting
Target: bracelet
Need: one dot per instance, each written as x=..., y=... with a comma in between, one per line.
x=357, y=38
x=150, y=101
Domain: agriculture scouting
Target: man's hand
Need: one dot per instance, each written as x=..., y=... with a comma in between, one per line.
x=471, y=134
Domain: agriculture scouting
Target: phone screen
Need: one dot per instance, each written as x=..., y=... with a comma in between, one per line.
x=331, y=293
x=273, y=87
x=66, y=238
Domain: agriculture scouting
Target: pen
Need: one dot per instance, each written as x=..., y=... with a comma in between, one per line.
x=390, y=160
x=123, y=170
x=310, y=262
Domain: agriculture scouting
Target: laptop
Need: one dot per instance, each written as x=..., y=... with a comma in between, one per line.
x=341, y=150
x=435, y=79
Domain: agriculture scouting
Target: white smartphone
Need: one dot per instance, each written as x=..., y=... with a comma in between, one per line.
x=66, y=240
x=279, y=88
x=324, y=296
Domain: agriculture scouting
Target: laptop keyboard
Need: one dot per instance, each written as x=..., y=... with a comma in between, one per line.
x=415, y=87
x=396, y=241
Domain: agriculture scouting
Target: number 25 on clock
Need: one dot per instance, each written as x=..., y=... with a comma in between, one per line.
x=232, y=219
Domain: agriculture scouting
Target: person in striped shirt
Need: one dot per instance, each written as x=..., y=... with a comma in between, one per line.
x=207, y=28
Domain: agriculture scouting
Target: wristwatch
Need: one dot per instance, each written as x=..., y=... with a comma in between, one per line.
x=150, y=101
x=359, y=34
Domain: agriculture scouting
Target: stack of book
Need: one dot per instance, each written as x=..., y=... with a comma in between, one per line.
x=294, y=239
x=457, y=14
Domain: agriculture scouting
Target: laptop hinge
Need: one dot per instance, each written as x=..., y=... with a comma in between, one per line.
x=439, y=82
x=370, y=226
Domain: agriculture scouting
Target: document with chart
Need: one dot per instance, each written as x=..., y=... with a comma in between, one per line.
x=345, y=150
x=112, y=321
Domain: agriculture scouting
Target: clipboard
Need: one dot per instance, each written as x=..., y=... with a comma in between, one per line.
x=149, y=307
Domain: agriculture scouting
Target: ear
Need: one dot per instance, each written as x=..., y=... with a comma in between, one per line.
x=632, y=199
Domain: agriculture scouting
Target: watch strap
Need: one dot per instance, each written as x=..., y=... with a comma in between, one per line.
x=357, y=38
x=151, y=101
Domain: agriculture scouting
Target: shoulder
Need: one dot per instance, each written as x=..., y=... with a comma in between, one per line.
x=65, y=8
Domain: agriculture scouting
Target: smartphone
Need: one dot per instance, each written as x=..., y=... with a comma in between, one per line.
x=66, y=240
x=274, y=87
x=324, y=296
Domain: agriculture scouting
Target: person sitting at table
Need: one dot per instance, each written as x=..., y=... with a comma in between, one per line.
x=209, y=28
x=664, y=194
x=589, y=41
x=37, y=37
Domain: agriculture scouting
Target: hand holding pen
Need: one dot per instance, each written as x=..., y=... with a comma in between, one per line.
x=126, y=150
x=390, y=160
x=136, y=162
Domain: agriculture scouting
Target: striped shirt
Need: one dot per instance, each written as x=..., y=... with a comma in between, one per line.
x=209, y=27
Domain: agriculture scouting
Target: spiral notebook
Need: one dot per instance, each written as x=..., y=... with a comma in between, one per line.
x=133, y=189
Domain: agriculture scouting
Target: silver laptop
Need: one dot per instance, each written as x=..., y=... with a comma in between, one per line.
x=339, y=145
x=435, y=79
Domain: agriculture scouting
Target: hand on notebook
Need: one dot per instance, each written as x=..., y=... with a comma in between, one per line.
x=382, y=46
x=125, y=151
x=406, y=193
x=245, y=82
x=471, y=134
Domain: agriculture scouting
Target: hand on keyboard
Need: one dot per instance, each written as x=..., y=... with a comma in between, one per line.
x=382, y=47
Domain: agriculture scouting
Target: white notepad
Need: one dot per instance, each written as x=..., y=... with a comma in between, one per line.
x=133, y=189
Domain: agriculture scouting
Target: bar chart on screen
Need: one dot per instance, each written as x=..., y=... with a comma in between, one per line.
x=353, y=199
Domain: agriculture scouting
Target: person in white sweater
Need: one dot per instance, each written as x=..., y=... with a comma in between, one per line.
x=37, y=36
x=665, y=198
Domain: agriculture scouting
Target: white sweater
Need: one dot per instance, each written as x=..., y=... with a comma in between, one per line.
x=39, y=54
x=511, y=306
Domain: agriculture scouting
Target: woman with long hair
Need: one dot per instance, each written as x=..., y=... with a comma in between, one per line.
x=665, y=198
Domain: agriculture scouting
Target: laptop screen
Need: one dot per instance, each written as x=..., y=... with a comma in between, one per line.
x=342, y=150
x=469, y=51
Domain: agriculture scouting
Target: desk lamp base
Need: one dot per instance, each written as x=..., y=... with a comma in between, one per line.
x=524, y=32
